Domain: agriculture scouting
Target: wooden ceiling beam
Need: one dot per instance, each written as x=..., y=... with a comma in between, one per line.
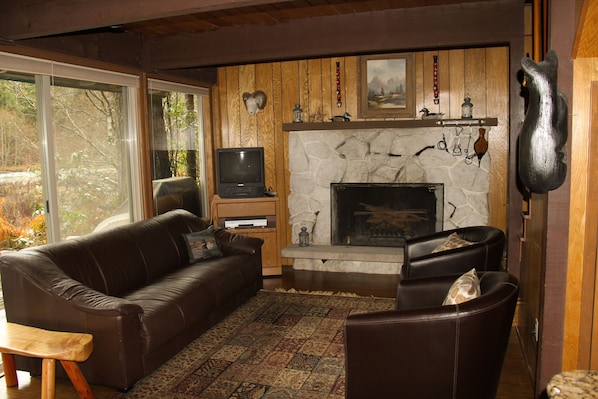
x=470, y=24
x=26, y=19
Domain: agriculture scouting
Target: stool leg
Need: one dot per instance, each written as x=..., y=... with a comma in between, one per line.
x=78, y=380
x=10, y=370
x=48, y=378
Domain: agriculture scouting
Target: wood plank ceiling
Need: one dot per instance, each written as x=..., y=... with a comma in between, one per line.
x=271, y=13
x=22, y=19
x=158, y=35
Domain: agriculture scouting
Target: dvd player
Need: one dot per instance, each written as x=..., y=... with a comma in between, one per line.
x=253, y=222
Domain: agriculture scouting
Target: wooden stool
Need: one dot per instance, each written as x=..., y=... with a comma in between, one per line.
x=69, y=348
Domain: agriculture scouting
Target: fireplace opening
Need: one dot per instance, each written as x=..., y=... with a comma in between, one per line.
x=384, y=214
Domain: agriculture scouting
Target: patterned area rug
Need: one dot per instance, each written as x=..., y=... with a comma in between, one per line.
x=277, y=345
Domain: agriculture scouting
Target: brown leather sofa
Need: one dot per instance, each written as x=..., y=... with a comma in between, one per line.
x=428, y=351
x=133, y=289
x=484, y=254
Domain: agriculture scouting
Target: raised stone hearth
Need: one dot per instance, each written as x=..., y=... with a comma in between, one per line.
x=319, y=158
x=354, y=259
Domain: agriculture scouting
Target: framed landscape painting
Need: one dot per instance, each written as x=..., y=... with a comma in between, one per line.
x=387, y=86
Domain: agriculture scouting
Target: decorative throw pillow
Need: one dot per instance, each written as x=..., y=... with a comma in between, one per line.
x=465, y=288
x=202, y=245
x=452, y=241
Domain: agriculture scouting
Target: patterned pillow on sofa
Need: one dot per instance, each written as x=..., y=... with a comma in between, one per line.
x=202, y=245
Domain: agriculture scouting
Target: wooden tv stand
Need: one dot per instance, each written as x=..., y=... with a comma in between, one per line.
x=247, y=208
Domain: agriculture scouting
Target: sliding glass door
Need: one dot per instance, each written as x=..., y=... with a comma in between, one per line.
x=69, y=166
x=92, y=173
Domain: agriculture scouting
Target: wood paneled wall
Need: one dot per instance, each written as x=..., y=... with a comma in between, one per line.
x=479, y=73
x=581, y=320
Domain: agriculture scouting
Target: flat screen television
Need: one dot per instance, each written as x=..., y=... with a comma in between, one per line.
x=240, y=172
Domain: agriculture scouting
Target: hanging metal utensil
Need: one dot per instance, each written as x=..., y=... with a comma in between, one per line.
x=442, y=143
x=469, y=157
x=457, y=150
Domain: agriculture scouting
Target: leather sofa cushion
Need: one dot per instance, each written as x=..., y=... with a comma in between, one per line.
x=120, y=260
x=186, y=296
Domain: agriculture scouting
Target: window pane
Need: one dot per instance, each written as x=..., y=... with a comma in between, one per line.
x=176, y=150
x=22, y=221
x=90, y=155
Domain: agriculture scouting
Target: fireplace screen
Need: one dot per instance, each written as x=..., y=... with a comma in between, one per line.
x=384, y=214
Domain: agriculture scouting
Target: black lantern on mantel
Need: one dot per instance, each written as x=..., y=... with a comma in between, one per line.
x=297, y=114
x=467, y=109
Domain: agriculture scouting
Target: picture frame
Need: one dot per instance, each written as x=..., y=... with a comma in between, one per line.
x=387, y=86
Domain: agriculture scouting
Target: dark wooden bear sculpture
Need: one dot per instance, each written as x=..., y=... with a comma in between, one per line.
x=542, y=164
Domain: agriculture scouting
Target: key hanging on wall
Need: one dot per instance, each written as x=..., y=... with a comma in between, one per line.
x=339, y=102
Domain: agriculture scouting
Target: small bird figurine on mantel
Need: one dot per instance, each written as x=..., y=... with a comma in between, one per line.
x=341, y=118
x=430, y=115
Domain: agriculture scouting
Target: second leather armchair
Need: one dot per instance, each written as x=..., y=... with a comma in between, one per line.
x=484, y=254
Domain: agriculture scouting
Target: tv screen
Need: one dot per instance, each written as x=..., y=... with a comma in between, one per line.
x=240, y=172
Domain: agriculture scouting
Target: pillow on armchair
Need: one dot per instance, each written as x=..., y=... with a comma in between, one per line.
x=465, y=288
x=452, y=241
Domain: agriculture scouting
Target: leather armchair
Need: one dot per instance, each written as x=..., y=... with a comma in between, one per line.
x=426, y=350
x=485, y=254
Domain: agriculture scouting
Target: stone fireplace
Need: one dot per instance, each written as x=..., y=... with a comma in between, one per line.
x=408, y=155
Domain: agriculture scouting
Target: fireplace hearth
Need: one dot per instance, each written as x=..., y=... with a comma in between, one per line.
x=384, y=214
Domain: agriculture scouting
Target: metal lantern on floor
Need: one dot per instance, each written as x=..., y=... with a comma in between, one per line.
x=303, y=237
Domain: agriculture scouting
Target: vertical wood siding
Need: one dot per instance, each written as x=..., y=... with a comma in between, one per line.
x=479, y=73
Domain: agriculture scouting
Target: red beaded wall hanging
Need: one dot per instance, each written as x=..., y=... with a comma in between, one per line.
x=436, y=92
x=339, y=102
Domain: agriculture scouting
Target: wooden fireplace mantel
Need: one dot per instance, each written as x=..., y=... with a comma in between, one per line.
x=395, y=124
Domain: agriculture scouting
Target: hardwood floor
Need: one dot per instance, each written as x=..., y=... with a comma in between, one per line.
x=515, y=381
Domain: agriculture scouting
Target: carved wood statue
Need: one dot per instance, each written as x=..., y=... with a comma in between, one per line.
x=542, y=164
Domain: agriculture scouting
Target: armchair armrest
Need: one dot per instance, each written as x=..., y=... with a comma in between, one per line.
x=424, y=245
x=452, y=261
x=419, y=293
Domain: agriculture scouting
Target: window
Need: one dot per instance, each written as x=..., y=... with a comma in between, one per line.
x=177, y=146
x=69, y=166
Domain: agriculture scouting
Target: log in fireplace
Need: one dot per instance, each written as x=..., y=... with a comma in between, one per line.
x=384, y=214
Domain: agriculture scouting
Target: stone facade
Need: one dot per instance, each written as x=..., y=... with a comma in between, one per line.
x=318, y=158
